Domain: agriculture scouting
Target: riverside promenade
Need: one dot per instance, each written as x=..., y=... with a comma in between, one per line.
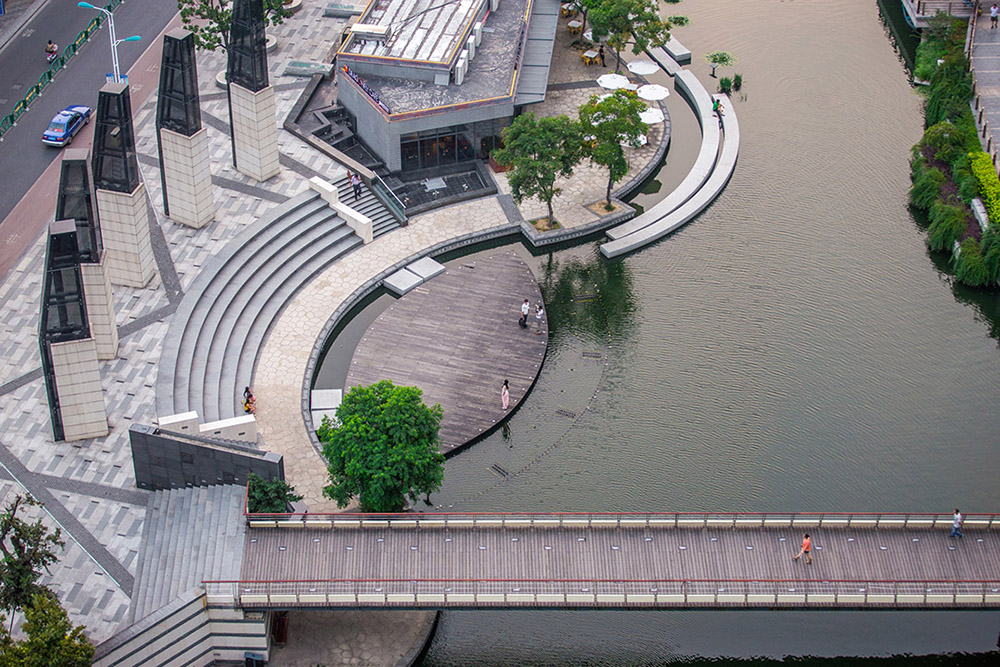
x=88, y=487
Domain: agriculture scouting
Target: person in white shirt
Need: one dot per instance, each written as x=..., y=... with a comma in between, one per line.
x=994, y=12
x=956, y=522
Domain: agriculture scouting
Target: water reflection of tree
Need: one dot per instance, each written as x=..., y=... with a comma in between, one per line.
x=986, y=303
x=588, y=294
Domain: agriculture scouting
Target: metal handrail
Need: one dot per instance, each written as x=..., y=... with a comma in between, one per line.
x=606, y=592
x=618, y=519
x=8, y=121
x=389, y=198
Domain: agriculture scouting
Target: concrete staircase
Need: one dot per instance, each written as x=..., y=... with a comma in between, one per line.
x=189, y=536
x=382, y=220
x=216, y=334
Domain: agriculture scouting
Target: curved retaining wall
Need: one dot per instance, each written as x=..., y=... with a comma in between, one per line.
x=700, y=102
x=705, y=196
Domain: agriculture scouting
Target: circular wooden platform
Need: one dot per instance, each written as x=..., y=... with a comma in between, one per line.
x=456, y=337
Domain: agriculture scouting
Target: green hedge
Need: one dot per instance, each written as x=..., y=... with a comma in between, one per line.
x=989, y=184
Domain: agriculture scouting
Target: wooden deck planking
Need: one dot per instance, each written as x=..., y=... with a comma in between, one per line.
x=456, y=337
x=595, y=559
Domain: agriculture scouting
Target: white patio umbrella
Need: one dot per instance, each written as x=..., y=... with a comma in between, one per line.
x=612, y=81
x=642, y=67
x=653, y=92
x=651, y=116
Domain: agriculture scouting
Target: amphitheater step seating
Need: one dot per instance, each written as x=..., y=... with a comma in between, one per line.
x=190, y=535
x=217, y=332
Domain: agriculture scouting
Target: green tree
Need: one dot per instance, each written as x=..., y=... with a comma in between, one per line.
x=612, y=122
x=630, y=21
x=51, y=641
x=269, y=496
x=720, y=59
x=538, y=150
x=209, y=20
x=386, y=448
x=27, y=550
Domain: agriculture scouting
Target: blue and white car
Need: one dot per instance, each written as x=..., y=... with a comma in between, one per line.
x=65, y=125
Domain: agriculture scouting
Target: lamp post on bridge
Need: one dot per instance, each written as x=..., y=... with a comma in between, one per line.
x=114, y=38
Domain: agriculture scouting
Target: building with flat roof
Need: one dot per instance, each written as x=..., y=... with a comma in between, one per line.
x=433, y=82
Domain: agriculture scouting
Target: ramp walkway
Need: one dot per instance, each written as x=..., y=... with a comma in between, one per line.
x=861, y=561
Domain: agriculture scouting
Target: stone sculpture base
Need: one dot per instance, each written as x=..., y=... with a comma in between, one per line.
x=100, y=307
x=255, y=132
x=125, y=230
x=188, y=177
x=78, y=385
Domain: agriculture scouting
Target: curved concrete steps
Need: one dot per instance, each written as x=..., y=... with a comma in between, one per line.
x=720, y=175
x=215, y=335
x=701, y=103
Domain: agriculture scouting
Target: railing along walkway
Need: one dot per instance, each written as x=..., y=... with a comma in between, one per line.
x=615, y=560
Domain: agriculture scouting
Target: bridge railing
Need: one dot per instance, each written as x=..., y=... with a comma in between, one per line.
x=433, y=593
x=621, y=520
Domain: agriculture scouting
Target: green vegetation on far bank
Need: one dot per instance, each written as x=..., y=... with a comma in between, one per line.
x=949, y=168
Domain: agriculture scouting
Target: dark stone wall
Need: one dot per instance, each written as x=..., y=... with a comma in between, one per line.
x=164, y=460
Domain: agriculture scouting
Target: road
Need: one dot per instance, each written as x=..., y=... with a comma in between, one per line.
x=23, y=157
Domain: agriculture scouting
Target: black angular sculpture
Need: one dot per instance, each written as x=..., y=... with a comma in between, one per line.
x=75, y=201
x=252, y=124
x=121, y=196
x=185, y=162
x=247, y=64
x=69, y=354
x=115, y=165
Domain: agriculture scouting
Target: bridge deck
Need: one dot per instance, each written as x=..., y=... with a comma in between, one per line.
x=533, y=560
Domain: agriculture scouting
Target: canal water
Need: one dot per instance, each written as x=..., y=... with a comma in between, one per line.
x=796, y=347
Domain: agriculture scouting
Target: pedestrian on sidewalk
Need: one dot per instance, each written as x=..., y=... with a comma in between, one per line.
x=600, y=54
x=356, y=185
x=956, y=524
x=994, y=12
x=539, y=311
x=806, y=549
x=525, y=309
x=505, y=394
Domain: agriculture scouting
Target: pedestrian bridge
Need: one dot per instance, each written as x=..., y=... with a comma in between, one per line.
x=614, y=561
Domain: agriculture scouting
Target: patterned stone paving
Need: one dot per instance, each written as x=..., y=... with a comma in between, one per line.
x=88, y=486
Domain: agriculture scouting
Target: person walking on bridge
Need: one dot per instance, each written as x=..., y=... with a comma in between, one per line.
x=956, y=524
x=806, y=549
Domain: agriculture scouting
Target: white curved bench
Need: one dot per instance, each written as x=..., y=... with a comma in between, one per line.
x=721, y=174
x=700, y=101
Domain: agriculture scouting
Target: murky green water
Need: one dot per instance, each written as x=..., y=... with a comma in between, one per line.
x=794, y=348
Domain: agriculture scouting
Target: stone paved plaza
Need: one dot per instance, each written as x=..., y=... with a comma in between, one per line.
x=88, y=486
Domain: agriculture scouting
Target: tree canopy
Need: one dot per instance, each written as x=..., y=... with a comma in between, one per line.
x=209, y=20
x=269, y=496
x=385, y=449
x=608, y=124
x=27, y=550
x=51, y=640
x=630, y=21
x=538, y=150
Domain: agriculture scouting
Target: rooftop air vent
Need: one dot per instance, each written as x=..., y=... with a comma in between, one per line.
x=372, y=31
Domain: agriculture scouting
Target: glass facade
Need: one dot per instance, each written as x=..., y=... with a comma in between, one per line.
x=449, y=145
x=247, y=64
x=76, y=201
x=177, y=102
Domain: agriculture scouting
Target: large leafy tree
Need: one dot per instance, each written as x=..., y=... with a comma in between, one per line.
x=612, y=122
x=51, y=640
x=630, y=21
x=538, y=150
x=209, y=20
x=385, y=449
x=27, y=550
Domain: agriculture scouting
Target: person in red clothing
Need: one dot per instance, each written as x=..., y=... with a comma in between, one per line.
x=806, y=549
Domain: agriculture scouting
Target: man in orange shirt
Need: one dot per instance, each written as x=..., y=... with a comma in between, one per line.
x=806, y=549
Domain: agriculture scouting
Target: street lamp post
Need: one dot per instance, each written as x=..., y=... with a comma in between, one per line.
x=114, y=38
